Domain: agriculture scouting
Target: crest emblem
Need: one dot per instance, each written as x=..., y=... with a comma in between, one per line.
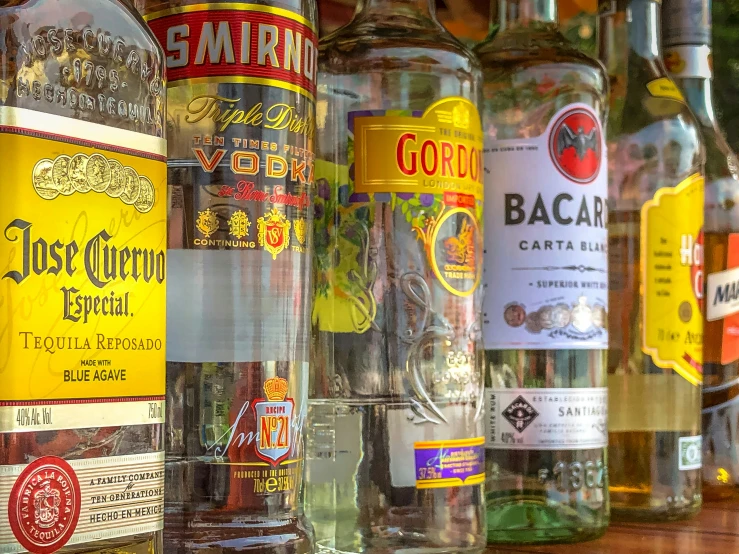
x=274, y=418
x=45, y=504
x=299, y=228
x=274, y=232
x=461, y=116
x=575, y=145
x=207, y=222
x=238, y=224
x=520, y=414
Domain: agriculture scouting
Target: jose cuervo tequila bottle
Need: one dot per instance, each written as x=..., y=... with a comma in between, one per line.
x=686, y=36
x=82, y=267
x=546, y=283
x=395, y=443
x=655, y=254
x=243, y=77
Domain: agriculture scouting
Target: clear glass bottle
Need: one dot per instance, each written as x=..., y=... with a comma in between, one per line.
x=686, y=37
x=656, y=160
x=545, y=281
x=82, y=330
x=240, y=174
x=394, y=444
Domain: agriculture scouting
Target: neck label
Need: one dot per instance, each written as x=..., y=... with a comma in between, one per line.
x=690, y=62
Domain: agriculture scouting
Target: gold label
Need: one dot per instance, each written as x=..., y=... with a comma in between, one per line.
x=439, y=152
x=672, y=266
x=665, y=88
x=82, y=261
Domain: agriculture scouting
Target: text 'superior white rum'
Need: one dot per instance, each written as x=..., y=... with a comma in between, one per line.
x=546, y=281
x=686, y=36
x=395, y=436
x=656, y=193
x=82, y=270
x=242, y=78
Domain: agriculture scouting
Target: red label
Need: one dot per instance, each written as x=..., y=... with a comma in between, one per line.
x=247, y=42
x=730, y=340
x=45, y=505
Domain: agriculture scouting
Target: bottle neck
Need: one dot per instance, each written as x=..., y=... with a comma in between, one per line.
x=629, y=32
x=699, y=95
x=524, y=13
x=423, y=8
x=643, y=18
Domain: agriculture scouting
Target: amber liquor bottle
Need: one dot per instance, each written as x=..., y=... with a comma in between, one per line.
x=656, y=242
x=686, y=36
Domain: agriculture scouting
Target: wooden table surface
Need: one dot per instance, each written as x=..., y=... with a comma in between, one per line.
x=714, y=531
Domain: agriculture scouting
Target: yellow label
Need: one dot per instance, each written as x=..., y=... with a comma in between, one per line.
x=82, y=260
x=672, y=273
x=665, y=88
x=433, y=154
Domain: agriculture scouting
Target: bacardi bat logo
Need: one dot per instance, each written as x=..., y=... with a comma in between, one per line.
x=575, y=145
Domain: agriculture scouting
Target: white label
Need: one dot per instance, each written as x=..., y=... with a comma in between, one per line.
x=79, y=501
x=689, y=62
x=546, y=419
x=546, y=262
x=691, y=453
x=722, y=294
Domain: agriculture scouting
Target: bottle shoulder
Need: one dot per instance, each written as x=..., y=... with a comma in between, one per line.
x=84, y=59
x=412, y=44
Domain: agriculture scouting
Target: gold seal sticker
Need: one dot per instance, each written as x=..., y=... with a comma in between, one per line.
x=665, y=88
x=672, y=278
x=453, y=247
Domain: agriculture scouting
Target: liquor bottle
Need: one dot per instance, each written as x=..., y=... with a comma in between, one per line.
x=82, y=252
x=656, y=184
x=686, y=37
x=546, y=297
x=395, y=435
x=241, y=77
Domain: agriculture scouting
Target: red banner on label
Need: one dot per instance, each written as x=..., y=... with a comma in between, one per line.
x=730, y=339
x=238, y=43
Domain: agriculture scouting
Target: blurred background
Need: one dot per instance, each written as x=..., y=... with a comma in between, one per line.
x=469, y=20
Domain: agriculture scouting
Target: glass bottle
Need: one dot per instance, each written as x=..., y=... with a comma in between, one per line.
x=395, y=445
x=240, y=174
x=545, y=281
x=656, y=160
x=82, y=330
x=686, y=36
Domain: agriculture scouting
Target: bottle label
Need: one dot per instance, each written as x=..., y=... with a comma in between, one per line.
x=546, y=277
x=52, y=502
x=261, y=435
x=546, y=419
x=453, y=463
x=691, y=453
x=83, y=249
x=665, y=88
x=427, y=166
x=239, y=43
x=722, y=301
x=690, y=62
x=686, y=22
x=672, y=266
x=242, y=82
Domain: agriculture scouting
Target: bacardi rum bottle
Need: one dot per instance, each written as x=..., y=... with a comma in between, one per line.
x=82, y=269
x=546, y=282
x=655, y=251
x=395, y=443
x=242, y=77
x=686, y=37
